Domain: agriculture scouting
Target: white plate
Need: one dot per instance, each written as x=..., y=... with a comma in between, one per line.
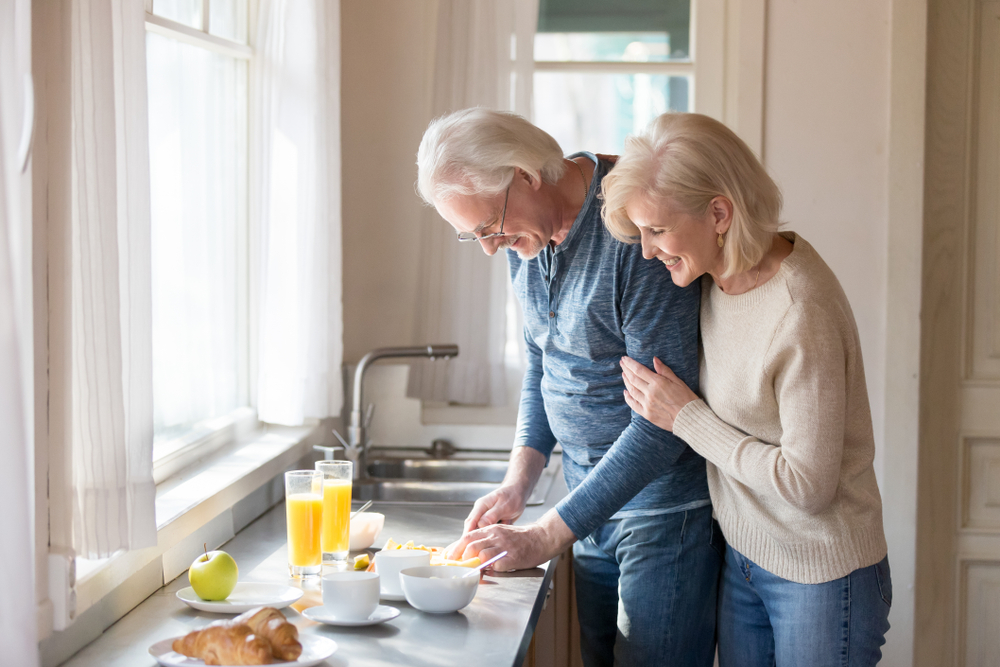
x=315, y=649
x=392, y=597
x=244, y=597
x=381, y=614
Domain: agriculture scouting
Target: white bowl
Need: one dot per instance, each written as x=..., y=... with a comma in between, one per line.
x=365, y=528
x=390, y=563
x=439, y=589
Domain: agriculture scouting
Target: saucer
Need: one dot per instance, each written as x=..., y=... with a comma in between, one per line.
x=381, y=614
x=392, y=597
x=245, y=596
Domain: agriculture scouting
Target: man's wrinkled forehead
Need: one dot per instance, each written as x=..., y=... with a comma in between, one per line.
x=468, y=213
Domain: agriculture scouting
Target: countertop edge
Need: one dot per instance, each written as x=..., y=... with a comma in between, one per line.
x=536, y=612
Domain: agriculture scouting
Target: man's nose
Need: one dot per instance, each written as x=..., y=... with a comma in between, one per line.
x=490, y=246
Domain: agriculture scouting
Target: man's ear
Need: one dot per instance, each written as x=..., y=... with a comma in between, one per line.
x=532, y=179
x=722, y=213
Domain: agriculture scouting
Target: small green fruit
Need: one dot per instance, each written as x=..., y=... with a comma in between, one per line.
x=213, y=575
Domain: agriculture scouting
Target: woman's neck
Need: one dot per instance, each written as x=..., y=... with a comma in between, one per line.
x=760, y=273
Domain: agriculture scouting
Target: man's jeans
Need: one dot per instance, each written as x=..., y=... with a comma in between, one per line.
x=765, y=620
x=646, y=590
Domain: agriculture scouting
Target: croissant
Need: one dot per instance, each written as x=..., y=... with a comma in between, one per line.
x=269, y=623
x=225, y=644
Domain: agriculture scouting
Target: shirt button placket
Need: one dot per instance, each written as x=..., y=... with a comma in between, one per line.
x=552, y=293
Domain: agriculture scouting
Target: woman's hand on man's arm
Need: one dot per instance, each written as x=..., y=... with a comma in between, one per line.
x=658, y=395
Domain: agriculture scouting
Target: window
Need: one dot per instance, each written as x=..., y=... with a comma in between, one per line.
x=605, y=70
x=197, y=78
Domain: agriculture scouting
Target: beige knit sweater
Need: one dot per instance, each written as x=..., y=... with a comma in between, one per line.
x=785, y=424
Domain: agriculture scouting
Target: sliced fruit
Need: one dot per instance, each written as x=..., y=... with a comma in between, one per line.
x=410, y=544
x=362, y=562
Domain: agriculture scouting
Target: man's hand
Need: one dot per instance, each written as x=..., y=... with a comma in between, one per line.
x=526, y=546
x=504, y=505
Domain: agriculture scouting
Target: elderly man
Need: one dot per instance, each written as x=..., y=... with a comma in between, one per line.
x=646, y=552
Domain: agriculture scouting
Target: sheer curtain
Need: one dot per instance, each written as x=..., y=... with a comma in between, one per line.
x=197, y=131
x=463, y=293
x=100, y=314
x=296, y=200
x=18, y=630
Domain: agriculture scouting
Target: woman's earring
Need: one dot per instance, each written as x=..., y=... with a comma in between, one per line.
x=720, y=241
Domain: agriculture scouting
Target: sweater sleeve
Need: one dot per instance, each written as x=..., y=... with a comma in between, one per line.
x=533, y=428
x=806, y=365
x=657, y=319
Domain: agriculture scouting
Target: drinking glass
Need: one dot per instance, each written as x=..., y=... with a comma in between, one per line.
x=304, y=511
x=336, y=508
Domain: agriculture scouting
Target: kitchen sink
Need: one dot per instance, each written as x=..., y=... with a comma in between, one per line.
x=398, y=491
x=438, y=470
x=446, y=481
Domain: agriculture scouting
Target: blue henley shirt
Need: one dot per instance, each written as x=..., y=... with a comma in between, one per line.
x=586, y=303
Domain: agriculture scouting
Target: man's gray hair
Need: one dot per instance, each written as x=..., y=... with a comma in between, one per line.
x=475, y=152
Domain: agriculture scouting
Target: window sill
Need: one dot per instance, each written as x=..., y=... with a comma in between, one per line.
x=176, y=456
x=209, y=502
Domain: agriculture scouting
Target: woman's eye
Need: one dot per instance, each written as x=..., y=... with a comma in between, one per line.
x=655, y=232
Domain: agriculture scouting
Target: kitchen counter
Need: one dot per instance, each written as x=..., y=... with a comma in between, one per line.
x=495, y=629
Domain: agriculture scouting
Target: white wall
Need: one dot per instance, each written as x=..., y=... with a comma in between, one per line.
x=826, y=142
x=386, y=50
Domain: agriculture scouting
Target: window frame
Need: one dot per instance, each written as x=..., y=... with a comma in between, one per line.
x=223, y=431
x=212, y=496
x=725, y=67
x=730, y=65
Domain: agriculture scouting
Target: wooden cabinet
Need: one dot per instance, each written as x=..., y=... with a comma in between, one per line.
x=556, y=642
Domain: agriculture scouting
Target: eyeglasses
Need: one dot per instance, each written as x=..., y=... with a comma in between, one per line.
x=471, y=236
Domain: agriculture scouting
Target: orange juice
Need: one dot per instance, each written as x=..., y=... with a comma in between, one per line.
x=305, y=517
x=336, y=516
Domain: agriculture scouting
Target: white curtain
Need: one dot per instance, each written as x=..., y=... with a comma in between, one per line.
x=18, y=630
x=100, y=322
x=296, y=198
x=197, y=128
x=462, y=292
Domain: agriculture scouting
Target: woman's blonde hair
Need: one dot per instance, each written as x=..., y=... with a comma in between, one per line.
x=475, y=152
x=689, y=159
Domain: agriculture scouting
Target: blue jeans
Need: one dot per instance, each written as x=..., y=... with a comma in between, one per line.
x=765, y=620
x=646, y=590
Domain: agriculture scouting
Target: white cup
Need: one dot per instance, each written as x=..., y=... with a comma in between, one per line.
x=389, y=563
x=351, y=595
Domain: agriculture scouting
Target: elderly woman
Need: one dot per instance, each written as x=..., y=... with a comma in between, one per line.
x=785, y=423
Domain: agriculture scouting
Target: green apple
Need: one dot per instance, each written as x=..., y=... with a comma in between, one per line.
x=213, y=575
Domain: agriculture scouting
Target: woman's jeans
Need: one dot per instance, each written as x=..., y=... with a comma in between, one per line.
x=646, y=590
x=765, y=620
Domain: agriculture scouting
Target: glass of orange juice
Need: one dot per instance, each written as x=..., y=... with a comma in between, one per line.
x=304, y=512
x=336, y=508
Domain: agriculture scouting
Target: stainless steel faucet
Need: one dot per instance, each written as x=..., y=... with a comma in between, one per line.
x=356, y=445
